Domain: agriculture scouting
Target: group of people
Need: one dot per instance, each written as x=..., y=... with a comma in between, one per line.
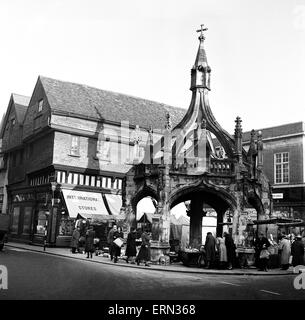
x=290, y=246
x=131, y=253
x=87, y=241
x=225, y=248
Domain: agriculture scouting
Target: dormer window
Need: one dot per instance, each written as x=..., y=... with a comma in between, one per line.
x=40, y=103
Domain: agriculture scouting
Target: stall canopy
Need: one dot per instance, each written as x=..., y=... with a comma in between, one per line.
x=277, y=221
x=92, y=205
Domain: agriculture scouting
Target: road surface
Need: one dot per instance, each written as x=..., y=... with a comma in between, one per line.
x=33, y=275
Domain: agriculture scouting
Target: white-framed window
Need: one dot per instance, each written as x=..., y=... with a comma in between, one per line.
x=40, y=104
x=74, y=150
x=281, y=167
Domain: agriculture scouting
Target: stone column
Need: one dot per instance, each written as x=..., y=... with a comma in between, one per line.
x=161, y=246
x=196, y=214
x=219, y=227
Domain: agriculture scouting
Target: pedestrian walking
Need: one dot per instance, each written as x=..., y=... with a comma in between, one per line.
x=75, y=240
x=144, y=253
x=110, y=240
x=89, y=242
x=116, y=248
x=297, y=251
x=222, y=249
x=210, y=245
x=231, y=253
x=131, y=248
x=261, y=245
x=285, y=249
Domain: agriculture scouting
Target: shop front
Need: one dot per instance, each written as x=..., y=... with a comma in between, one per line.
x=100, y=210
x=49, y=213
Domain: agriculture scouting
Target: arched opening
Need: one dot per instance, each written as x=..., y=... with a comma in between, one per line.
x=144, y=205
x=145, y=210
x=207, y=208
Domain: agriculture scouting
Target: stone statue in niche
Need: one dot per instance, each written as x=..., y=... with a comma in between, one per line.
x=221, y=153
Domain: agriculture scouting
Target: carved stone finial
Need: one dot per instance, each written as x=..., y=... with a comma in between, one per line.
x=252, y=134
x=168, y=124
x=238, y=127
x=259, y=140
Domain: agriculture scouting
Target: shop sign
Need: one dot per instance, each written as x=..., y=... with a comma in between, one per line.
x=82, y=202
x=277, y=195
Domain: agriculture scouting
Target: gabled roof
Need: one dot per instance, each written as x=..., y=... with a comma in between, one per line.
x=21, y=104
x=82, y=100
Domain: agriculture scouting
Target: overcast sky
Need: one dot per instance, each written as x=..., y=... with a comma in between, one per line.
x=256, y=50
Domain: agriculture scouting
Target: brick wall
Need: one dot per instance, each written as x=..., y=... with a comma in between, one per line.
x=292, y=145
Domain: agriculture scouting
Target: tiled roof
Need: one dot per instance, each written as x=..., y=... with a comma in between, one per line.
x=95, y=103
x=277, y=131
x=21, y=105
x=272, y=132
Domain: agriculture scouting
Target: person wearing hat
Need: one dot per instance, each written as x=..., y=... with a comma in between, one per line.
x=285, y=249
x=260, y=244
x=297, y=251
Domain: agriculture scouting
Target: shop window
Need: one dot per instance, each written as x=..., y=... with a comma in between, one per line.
x=281, y=167
x=66, y=226
x=42, y=222
x=63, y=177
x=15, y=223
x=87, y=180
x=75, y=178
x=98, y=182
x=104, y=181
x=27, y=220
x=70, y=178
x=92, y=181
x=74, y=150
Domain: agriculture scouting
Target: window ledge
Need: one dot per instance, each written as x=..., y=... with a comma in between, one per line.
x=74, y=155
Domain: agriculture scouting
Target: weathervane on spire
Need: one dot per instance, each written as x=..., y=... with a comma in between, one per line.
x=201, y=30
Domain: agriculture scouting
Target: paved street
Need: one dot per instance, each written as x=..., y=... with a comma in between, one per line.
x=33, y=275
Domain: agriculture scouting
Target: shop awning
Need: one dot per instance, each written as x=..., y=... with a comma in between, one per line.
x=113, y=203
x=276, y=221
x=101, y=217
x=84, y=203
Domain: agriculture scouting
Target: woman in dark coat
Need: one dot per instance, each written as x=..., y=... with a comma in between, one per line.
x=75, y=240
x=144, y=253
x=261, y=243
x=116, y=249
x=297, y=252
x=131, y=248
x=230, y=245
x=210, y=244
x=89, y=242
